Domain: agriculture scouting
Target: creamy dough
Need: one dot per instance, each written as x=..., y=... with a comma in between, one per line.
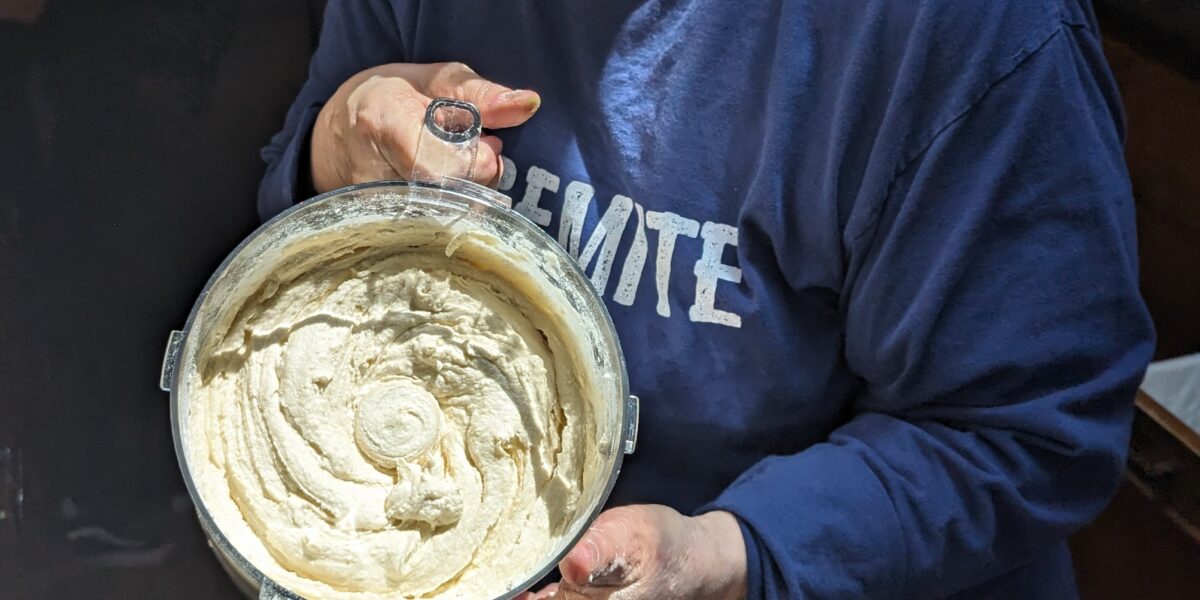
x=383, y=423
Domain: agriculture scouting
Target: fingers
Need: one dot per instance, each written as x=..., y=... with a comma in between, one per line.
x=395, y=125
x=498, y=105
x=510, y=109
x=493, y=143
x=650, y=552
x=547, y=593
x=387, y=114
x=613, y=551
x=550, y=592
x=369, y=130
x=488, y=164
x=556, y=592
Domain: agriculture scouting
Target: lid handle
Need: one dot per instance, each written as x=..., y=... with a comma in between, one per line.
x=449, y=141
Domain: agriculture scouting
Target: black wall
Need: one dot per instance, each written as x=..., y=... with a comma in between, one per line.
x=129, y=137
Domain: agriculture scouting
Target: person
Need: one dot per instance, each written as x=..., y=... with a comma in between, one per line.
x=872, y=264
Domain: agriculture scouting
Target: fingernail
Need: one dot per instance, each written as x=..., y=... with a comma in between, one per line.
x=530, y=99
x=578, y=565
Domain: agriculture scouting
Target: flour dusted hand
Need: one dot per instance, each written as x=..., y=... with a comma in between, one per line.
x=649, y=552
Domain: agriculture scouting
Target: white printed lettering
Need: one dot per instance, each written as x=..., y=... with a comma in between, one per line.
x=635, y=262
x=669, y=225
x=609, y=231
x=576, y=199
x=709, y=269
x=536, y=180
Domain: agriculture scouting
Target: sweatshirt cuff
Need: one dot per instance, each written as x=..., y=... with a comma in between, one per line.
x=288, y=179
x=816, y=524
x=754, y=566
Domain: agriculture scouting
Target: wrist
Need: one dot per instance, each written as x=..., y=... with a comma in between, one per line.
x=725, y=562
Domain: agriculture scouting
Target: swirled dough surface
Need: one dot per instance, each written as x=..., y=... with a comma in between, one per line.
x=382, y=425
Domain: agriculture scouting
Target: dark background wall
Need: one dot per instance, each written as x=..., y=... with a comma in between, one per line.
x=129, y=137
x=129, y=134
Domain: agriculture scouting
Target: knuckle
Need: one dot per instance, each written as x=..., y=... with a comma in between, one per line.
x=455, y=67
x=484, y=90
x=365, y=122
x=410, y=104
x=396, y=92
x=452, y=76
x=369, y=127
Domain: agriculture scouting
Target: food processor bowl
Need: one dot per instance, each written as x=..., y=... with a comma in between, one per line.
x=462, y=216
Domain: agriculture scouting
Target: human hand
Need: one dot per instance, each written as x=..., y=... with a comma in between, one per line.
x=650, y=552
x=368, y=130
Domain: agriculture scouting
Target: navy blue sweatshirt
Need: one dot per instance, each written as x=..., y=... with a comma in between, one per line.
x=872, y=262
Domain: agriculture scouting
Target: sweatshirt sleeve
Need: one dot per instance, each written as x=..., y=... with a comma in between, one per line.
x=355, y=35
x=993, y=313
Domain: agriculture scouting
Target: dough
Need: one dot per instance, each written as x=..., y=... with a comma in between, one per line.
x=383, y=422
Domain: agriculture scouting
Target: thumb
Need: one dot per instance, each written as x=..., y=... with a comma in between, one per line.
x=498, y=105
x=613, y=551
